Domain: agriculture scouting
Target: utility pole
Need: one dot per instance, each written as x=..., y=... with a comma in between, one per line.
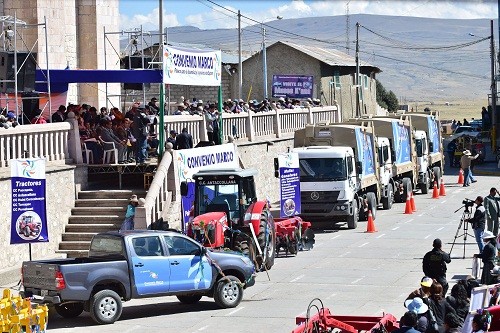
x=348, y=27
x=161, y=129
x=240, y=66
x=493, y=91
x=264, y=60
x=356, y=81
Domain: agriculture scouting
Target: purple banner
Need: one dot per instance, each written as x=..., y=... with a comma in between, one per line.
x=187, y=203
x=293, y=86
x=289, y=184
x=29, y=213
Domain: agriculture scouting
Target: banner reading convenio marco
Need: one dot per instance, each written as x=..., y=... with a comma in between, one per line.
x=29, y=213
x=191, y=67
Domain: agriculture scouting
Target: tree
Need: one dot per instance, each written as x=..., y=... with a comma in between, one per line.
x=386, y=100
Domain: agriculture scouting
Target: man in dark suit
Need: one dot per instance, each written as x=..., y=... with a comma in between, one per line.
x=184, y=140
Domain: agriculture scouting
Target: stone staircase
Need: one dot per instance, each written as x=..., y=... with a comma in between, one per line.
x=94, y=212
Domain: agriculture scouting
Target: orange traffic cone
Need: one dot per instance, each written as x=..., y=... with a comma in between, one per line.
x=370, y=227
x=408, y=209
x=442, y=190
x=461, y=176
x=412, y=202
x=435, y=192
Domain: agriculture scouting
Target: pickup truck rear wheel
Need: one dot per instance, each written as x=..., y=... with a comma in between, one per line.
x=228, y=292
x=189, y=299
x=106, y=307
x=69, y=310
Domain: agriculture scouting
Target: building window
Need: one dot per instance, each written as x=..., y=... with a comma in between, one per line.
x=366, y=81
x=336, y=78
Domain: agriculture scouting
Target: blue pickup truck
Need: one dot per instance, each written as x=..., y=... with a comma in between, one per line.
x=137, y=264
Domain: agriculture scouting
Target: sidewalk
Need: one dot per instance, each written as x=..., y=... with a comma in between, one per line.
x=487, y=169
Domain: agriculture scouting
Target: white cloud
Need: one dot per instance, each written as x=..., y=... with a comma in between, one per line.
x=148, y=21
x=216, y=17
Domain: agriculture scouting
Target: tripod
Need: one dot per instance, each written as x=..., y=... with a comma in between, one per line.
x=464, y=226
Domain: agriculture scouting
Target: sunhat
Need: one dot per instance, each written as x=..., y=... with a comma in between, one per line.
x=416, y=305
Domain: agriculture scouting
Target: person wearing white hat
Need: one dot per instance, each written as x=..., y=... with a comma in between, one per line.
x=465, y=163
x=488, y=257
x=128, y=223
x=418, y=306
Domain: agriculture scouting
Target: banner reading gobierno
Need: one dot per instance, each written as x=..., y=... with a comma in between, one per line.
x=29, y=213
x=191, y=66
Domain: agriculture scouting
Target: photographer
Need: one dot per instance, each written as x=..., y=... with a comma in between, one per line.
x=478, y=221
x=434, y=264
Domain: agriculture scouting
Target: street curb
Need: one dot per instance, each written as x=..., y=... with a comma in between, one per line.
x=486, y=172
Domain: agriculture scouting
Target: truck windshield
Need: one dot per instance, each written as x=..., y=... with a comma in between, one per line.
x=420, y=147
x=322, y=169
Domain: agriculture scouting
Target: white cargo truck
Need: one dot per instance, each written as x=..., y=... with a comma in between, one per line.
x=338, y=172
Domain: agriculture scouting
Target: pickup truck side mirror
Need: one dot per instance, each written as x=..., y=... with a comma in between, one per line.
x=431, y=147
x=359, y=167
x=184, y=189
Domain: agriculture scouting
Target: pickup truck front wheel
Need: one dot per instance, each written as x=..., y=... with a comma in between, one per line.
x=228, y=292
x=106, y=307
x=69, y=310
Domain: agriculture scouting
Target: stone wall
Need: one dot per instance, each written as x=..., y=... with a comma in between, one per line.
x=63, y=182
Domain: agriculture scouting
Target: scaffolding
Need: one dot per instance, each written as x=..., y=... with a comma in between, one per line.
x=141, y=44
x=11, y=35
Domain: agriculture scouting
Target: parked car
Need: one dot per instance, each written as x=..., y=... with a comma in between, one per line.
x=137, y=264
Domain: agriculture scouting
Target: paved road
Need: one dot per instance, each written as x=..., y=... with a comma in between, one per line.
x=351, y=271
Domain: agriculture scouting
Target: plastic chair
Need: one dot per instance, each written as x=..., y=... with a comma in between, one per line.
x=89, y=155
x=110, y=152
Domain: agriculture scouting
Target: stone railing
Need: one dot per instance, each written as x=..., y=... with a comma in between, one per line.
x=58, y=142
x=161, y=192
x=254, y=126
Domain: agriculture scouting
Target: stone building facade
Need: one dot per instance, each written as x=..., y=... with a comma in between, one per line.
x=333, y=71
x=75, y=30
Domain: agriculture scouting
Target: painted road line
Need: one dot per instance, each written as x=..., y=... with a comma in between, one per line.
x=364, y=244
x=335, y=237
x=356, y=281
x=408, y=221
x=380, y=236
x=203, y=328
x=234, y=311
x=331, y=296
x=344, y=254
x=297, y=278
x=421, y=214
x=440, y=229
x=395, y=228
x=431, y=207
x=427, y=236
x=443, y=201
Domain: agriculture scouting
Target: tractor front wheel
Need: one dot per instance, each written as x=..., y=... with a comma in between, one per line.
x=267, y=241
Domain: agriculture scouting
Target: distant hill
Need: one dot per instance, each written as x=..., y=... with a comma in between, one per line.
x=465, y=71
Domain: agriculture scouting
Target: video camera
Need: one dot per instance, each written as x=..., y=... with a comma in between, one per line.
x=468, y=203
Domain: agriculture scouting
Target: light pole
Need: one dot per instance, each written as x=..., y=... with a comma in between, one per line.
x=264, y=56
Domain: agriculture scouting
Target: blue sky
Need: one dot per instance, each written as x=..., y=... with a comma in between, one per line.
x=206, y=15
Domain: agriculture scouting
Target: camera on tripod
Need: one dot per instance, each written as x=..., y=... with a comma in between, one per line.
x=468, y=203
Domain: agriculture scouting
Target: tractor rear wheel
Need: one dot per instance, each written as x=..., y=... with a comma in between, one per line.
x=245, y=246
x=267, y=241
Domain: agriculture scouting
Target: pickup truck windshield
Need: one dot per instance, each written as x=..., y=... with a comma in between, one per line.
x=107, y=245
x=322, y=169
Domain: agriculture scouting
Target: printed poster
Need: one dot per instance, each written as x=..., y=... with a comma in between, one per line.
x=293, y=86
x=402, y=146
x=191, y=67
x=190, y=161
x=29, y=212
x=289, y=172
x=434, y=134
x=364, y=142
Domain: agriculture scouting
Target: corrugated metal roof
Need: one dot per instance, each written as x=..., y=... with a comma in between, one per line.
x=329, y=56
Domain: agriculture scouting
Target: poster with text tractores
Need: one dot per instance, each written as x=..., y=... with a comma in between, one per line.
x=29, y=213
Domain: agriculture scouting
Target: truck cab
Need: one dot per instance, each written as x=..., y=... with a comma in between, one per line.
x=422, y=145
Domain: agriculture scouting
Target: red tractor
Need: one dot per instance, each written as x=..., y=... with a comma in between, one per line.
x=227, y=214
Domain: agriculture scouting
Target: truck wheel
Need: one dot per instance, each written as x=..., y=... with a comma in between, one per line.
x=352, y=220
x=189, y=299
x=372, y=204
x=106, y=307
x=437, y=175
x=228, y=292
x=69, y=310
x=424, y=188
x=389, y=200
x=407, y=188
x=269, y=238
